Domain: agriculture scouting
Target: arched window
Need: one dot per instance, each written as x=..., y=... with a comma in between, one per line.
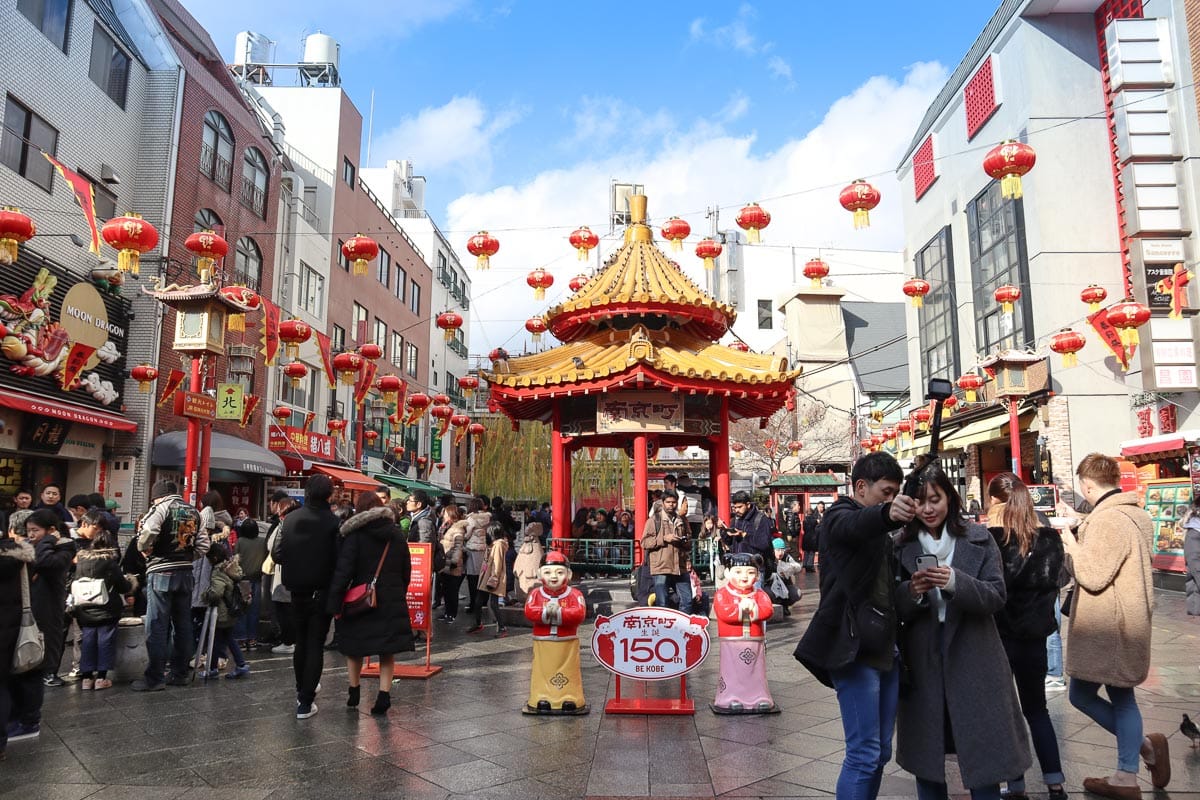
x=254, y=181
x=207, y=220
x=216, y=150
x=247, y=264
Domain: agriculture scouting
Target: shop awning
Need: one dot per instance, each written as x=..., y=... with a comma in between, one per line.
x=57, y=409
x=349, y=478
x=410, y=484
x=227, y=453
x=1161, y=444
x=981, y=430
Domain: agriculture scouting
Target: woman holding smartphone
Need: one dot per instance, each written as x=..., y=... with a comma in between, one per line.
x=961, y=697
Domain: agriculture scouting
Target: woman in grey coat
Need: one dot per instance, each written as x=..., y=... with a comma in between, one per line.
x=961, y=698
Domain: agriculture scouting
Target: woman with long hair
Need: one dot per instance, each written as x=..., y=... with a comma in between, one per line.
x=453, y=534
x=961, y=698
x=1032, y=556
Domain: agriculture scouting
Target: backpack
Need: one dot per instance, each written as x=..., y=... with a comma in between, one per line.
x=88, y=592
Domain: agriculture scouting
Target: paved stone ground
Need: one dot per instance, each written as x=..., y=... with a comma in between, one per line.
x=460, y=735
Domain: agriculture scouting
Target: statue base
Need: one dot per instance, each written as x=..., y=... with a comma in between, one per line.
x=556, y=712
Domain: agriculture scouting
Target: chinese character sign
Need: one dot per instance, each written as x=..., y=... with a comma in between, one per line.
x=420, y=586
x=638, y=412
x=650, y=644
x=230, y=401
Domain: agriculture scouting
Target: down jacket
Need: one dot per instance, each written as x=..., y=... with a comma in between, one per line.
x=104, y=564
x=386, y=629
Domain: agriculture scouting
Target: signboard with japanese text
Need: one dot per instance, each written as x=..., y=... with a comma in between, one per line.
x=639, y=412
x=420, y=587
x=231, y=400
x=195, y=404
x=44, y=435
x=1045, y=497
x=297, y=441
x=650, y=644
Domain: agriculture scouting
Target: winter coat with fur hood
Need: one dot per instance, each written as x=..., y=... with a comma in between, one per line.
x=106, y=565
x=14, y=554
x=386, y=629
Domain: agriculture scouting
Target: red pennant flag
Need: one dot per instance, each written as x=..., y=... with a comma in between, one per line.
x=366, y=377
x=77, y=358
x=251, y=403
x=308, y=421
x=84, y=195
x=270, y=334
x=173, y=382
x=460, y=433
x=1111, y=338
x=443, y=426
x=324, y=345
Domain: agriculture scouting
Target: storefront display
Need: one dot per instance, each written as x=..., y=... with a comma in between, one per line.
x=1167, y=501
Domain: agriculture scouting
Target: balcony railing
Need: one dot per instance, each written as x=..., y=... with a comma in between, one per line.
x=458, y=347
x=215, y=167
x=239, y=278
x=253, y=198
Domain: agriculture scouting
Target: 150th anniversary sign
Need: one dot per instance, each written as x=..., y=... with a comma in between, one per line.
x=650, y=644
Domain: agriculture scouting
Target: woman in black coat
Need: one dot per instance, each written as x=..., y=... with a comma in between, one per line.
x=14, y=554
x=384, y=630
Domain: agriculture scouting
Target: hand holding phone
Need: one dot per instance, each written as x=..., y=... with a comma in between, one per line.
x=926, y=561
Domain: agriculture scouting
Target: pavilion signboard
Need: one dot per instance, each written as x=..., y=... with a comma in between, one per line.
x=640, y=412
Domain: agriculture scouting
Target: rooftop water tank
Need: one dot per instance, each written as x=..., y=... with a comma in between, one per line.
x=320, y=48
x=253, y=48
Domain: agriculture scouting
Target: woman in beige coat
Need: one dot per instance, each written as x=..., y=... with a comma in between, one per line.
x=529, y=560
x=1108, y=639
x=494, y=579
x=453, y=533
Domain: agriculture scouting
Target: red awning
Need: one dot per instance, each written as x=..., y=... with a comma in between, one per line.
x=68, y=411
x=1152, y=444
x=349, y=478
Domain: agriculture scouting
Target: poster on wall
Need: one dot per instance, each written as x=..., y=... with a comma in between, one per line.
x=1167, y=501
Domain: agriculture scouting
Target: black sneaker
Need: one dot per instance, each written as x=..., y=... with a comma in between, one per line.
x=305, y=710
x=53, y=681
x=17, y=732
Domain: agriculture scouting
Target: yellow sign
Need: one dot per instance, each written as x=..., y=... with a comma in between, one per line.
x=231, y=400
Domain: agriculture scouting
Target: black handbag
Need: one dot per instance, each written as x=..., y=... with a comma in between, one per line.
x=870, y=625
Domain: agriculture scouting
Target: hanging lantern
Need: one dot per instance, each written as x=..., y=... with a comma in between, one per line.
x=296, y=372
x=815, y=270
x=398, y=450
x=208, y=247
x=483, y=246
x=389, y=386
x=737, y=447
x=293, y=333
x=460, y=420
x=917, y=288
x=922, y=416
x=1007, y=162
x=370, y=436
x=536, y=327
x=440, y=466
x=131, y=236
x=370, y=351
x=860, y=197
x=282, y=413
x=1127, y=316
x=904, y=428
x=477, y=430
x=421, y=462
x=970, y=384
x=794, y=447
x=583, y=240
x=741, y=347
x=239, y=297
x=347, y=365
x=468, y=384
x=15, y=228
x=360, y=251
x=1067, y=343
x=866, y=444
x=948, y=406
x=417, y=404
x=752, y=219
x=540, y=280
x=336, y=427
x=1006, y=296
x=442, y=413
x=578, y=282
x=676, y=230
x=708, y=249
x=145, y=375
x=449, y=322
x=1093, y=295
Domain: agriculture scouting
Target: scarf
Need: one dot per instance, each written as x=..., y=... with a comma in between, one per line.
x=943, y=548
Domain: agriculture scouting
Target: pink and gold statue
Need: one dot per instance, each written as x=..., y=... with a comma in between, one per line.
x=556, y=611
x=741, y=611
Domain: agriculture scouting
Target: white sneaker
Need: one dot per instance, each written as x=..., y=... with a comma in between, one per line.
x=283, y=649
x=1055, y=684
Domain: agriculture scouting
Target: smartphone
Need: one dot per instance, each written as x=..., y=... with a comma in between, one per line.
x=926, y=561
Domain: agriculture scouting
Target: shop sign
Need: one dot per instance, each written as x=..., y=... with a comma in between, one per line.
x=1154, y=274
x=1044, y=497
x=231, y=400
x=1162, y=251
x=639, y=412
x=239, y=497
x=435, y=450
x=297, y=441
x=650, y=644
x=420, y=587
x=1172, y=352
x=42, y=435
x=196, y=405
x=1175, y=377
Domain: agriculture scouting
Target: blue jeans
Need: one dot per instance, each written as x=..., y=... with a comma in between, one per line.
x=168, y=617
x=1054, y=644
x=929, y=790
x=867, y=698
x=1119, y=715
x=97, y=648
x=683, y=591
x=246, y=627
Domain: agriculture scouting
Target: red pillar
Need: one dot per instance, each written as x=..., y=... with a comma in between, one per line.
x=641, y=476
x=560, y=480
x=192, y=453
x=1014, y=437
x=720, y=458
x=360, y=424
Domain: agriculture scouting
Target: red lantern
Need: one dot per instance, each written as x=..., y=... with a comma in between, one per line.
x=916, y=288
x=449, y=322
x=441, y=400
x=460, y=420
x=922, y=416
x=296, y=372
x=540, y=280
x=1007, y=162
x=890, y=434
x=578, y=282
x=860, y=197
x=360, y=251
x=15, y=228
x=948, y=405
x=866, y=444
x=737, y=447
x=795, y=447
x=476, y=429
x=468, y=384
x=347, y=365
x=239, y=296
x=442, y=414
x=741, y=347
x=708, y=249
x=390, y=386
x=144, y=374
x=1127, y=316
x=440, y=466
x=877, y=440
x=421, y=462
x=483, y=246
x=282, y=413
x=499, y=353
x=1006, y=296
x=293, y=333
x=1067, y=343
x=131, y=236
x=1093, y=295
x=398, y=450
x=815, y=270
x=676, y=230
x=970, y=384
x=208, y=247
x=536, y=326
x=417, y=404
x=336, y=427
x=752, y=219
x=370, y=351
x=583, y=240
x=370, y=436
x=904, y=428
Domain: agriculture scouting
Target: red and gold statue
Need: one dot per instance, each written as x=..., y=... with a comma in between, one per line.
x=556, y=610
x=741, y=610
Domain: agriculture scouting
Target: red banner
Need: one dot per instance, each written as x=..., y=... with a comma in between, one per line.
x=308, y=421
x=251, y=402
x=323, y=344
x=270, y=334
x=84, y=196
x=420, y=587
x=1110, y=337
x=460, y=433
x=301, y=442
x=174, y=381
x=73, y=364
x=366, y=377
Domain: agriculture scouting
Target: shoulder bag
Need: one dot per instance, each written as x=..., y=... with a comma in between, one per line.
x=88, y=592
x=31, y=645
x=361, y=597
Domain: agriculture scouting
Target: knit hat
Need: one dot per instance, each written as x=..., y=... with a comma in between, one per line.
x=778, y=544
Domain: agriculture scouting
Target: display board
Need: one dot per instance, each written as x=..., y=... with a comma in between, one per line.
x=1166, y=501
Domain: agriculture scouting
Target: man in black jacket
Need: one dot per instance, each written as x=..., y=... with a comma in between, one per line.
x=752, y=531
x=306, y=550
x=856, y=578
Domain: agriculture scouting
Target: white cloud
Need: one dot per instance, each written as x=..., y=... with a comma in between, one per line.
x=696, y=29
x=779, y=68
x=862, y=134
x=605, y=123
x=736, y=108
x=458, y=137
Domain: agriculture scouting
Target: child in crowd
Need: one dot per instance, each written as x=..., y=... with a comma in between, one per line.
x=226, y=572
x=97, y=599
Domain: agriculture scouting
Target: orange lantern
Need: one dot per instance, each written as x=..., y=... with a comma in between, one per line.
x=860, y=197
x=370, y=351
x=449, y=322
x=1006, y=296
x=144, y=374
x=1093, y=295
x=970, y=384
x=347, y=365
x=389, y=386
x=483, y=246
x=676, y=230
x=295, y=372
x=536, y=327
x=360, y=251
x=1127, y=316
x=752, y=219
x=708, y=249
x=15, y=228
x=578, y=282
x=1007, y=162
x=282, y=413
x=815, y=270
x=468, y=384
x=208, y=247
x=1067, y=343
x=583, y=240
x=540, y=280
x=917, y=288
x=293, y=333
x=131, y=236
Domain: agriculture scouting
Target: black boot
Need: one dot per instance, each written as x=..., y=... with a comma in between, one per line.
x=352, y=697
x=383, y=701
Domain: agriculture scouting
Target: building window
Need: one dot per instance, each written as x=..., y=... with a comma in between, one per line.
x=343, y=262
x=397, y=349
x=938, y=319
x=216, y=149
x=348, y=172
x=247, y=263
x=103, y=200
x=305, y=395
x=110, y=66
x=383, y=269
x=996, y=228
x=380, y=337
x=337, y=339
x=254, y=181
x=207, y=220
x=411, y=354
x=26, y=136
x=312, y=290
x=764, y=315
x=51, y=17
x=401, y=282
x=414, y=298
x=359, y=324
